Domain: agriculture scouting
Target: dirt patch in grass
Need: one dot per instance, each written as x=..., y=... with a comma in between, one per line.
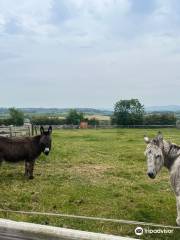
x=91, y=169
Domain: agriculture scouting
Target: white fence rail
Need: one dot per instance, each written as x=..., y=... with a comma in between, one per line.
x=50, y=232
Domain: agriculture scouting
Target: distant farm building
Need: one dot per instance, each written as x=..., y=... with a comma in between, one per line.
x=83, y=125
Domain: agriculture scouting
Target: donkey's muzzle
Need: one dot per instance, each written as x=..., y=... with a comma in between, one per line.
x=46, y=151
x=151, y=175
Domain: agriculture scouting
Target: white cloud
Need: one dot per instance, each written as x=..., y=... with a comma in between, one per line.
x=101, y=7
x=100, y=47
x=30, y=15
x=90, y=16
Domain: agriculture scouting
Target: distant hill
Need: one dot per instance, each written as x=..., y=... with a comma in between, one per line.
x=88, y=111
x=53, y=111
x=168, y=108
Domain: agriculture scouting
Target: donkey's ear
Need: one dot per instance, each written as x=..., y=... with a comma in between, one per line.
x=146, y=139
x=50, y=130
x=41, y=130
x=160, y=136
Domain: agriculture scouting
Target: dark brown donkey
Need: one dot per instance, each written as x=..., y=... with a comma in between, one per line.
x=25, y=149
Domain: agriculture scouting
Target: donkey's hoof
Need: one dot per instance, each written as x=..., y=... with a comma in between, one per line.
x=178, y=221
x=31, y=177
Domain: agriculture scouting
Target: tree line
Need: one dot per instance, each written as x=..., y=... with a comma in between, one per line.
x=126, y=112
x=73, y=118
x=16, y=118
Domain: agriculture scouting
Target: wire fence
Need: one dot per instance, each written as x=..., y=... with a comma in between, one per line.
x=65, y=126
x=120, y=221
x=31, y=130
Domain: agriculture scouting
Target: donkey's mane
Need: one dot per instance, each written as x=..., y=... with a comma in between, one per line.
x=172, y=152
x=176, y=146
x=172, y=146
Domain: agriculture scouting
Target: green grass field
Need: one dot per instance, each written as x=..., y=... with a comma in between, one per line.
x=99, y=173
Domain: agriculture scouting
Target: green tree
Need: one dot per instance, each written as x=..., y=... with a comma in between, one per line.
x=160, y=119
x=45, y=120
x=16, y=117
x=74, y=117
x=93, y=121
x=128, y=112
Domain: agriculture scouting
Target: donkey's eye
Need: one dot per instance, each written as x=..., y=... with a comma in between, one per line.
x=158, y=156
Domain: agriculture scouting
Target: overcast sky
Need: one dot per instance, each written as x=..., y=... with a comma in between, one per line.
x=89, y=53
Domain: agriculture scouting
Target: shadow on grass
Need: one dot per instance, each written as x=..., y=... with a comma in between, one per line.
x=12, y=177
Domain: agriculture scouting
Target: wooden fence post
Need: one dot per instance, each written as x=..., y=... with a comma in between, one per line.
x=10, y=131
x=36, y=130
x=32, y=129
x=29, y=131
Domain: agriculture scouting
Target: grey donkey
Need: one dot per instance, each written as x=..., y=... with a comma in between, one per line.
x=159, y=153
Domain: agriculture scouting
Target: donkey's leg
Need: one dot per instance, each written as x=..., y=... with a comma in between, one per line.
x=1, y=159
x=178, y=210
x=31, y=169
x=175, y=184
x=26, y=172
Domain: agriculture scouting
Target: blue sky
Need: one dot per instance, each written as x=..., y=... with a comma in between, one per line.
x=89, y=53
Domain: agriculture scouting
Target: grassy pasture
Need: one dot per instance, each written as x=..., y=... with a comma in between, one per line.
x=99, y=173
